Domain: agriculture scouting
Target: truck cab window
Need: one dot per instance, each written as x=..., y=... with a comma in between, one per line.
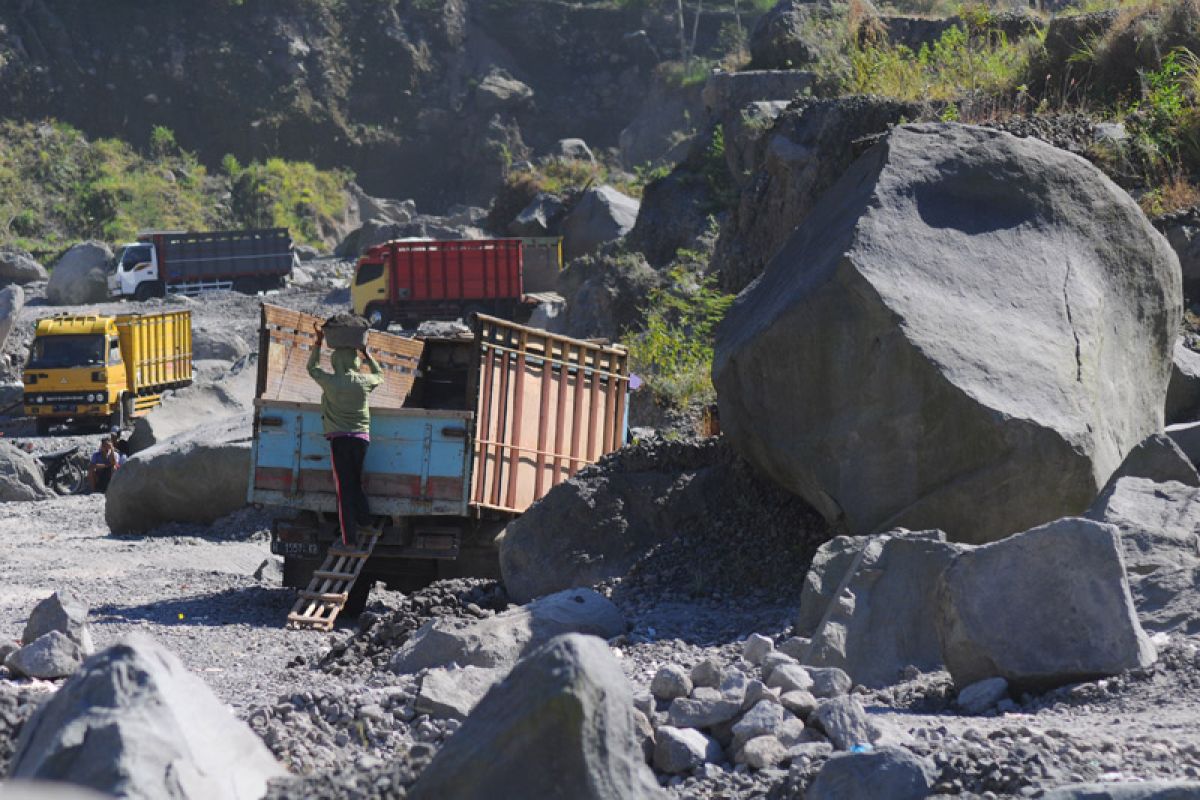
x=114, y=351
x=134, y=256
x=58, y=352
x=367, y=273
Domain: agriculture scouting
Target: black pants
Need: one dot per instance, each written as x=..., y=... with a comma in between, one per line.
x=348, y=453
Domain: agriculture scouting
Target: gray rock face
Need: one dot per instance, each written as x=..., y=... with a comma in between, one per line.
x=1042, y=608
x=601, y=215
x=1183, y=390
x=784, y=37
x=452, y=693
x=196, y=476
x=683, y=749
x=50, y=656
x=560, y=725
x=499, y=641
x=1158, y=524
x=1159, y=459
x=19, y=267
x=877, y=621
x=65, y=612
x=20, y=476
x=12, y=300
x=135, y=722
x=845, y=722
x=79, y=276
x=872, y=320
x=890, y=772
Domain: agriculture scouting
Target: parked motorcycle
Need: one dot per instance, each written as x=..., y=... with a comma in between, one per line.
x=62, y=471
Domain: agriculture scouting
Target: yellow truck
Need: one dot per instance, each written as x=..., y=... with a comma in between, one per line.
x=105, y=368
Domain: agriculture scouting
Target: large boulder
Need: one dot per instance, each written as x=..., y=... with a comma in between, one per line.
x=878, y=620
x=65, y=612
x=135, y=722
x=12, y=300
x=19, y=267
x=560, y=726
x=231, y=396
x=792, y=159
x=949, y=319
x=79, y=277
x=1158, y=523
x=890, y=772
x=499, y=642
x=197, y=476
x=20, y=476
x=600, y=215
x=1040, y=609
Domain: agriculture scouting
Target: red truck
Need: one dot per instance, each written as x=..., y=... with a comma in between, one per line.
x=409, y=281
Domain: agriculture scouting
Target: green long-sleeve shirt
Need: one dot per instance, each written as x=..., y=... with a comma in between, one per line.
x=344, y=407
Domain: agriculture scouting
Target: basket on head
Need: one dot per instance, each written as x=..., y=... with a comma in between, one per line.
x=346, y=330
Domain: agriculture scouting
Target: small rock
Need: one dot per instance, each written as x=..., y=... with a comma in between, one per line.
x=52, y=655
x=670, y=682
x=982, y=695
x=683, y=749
x=453, y=693
x=65, y=612
x=790, y=678
x=707, y=674
x=762, y=752
x=761, y=720
x=645, y=734
x=756, y=648
x=829, y=681
x=799, y=703
x=845, y=722
x=705, y=708
x=773, y=660
x=755, y=691
x=796, y=647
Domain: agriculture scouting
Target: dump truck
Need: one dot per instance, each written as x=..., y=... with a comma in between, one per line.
x=466, y=433
x=106, y=369
x=408, y=281
x=246, y=261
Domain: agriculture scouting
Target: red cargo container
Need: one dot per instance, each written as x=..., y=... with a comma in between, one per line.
x=413, y=281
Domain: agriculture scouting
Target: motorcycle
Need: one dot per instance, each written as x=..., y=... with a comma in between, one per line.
x=62, y=472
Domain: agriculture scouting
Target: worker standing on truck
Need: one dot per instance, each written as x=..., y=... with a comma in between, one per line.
x=346, y=416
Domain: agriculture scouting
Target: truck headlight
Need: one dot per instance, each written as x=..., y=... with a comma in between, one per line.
x=91, y=398
x=41, y=398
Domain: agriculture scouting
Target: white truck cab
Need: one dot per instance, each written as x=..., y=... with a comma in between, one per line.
x=137, y=264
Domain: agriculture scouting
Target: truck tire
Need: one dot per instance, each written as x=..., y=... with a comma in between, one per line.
x=379, y=316
x=143, y=292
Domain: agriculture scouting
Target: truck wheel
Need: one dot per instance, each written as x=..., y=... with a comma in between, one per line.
x=379, y=317
x=144, y=291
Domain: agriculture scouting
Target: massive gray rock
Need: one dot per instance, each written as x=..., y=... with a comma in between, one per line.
x=79, y=276
x=134, y=722
x=65, y=612
x=949, y=318
x=50, y=656
x=560, y=726
x=877, y=621
x=19, y=267
x=890, y=772
x=1158, y=523
x=12, y=300
x=1040, y=609
x=20, y=476
x=1183, y=390
x=498, y=642
x=600, y=215
x=228, y=397
x=196, y=476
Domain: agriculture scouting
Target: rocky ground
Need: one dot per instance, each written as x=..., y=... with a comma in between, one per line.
x=333, y=712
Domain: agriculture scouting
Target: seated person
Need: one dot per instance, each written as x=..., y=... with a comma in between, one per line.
x=105, y=462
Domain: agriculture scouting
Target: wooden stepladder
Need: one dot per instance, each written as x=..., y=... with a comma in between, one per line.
x=329, y=589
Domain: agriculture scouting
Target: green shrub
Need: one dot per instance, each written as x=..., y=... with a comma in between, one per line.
x=673, y=352
x=290, y=194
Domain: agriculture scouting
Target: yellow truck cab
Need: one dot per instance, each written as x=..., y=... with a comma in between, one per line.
x=107, y=369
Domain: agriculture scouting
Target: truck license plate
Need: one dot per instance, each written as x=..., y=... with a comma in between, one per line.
x=295, y=549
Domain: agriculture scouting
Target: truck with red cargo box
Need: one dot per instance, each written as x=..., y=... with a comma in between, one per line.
x=158, y=262
x=410, y=281
x=466, y=433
